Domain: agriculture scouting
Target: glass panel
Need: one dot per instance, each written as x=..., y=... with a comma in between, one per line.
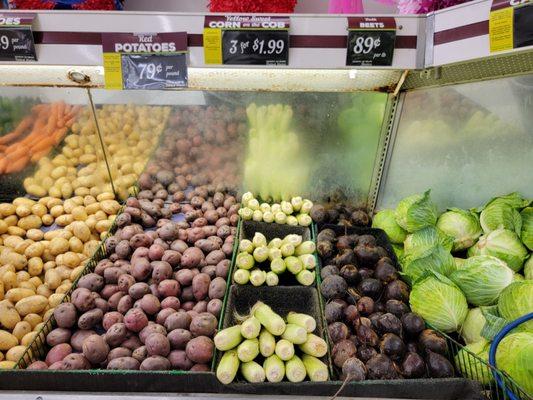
x=468, y=143
x=45, y=146
x=318, y=145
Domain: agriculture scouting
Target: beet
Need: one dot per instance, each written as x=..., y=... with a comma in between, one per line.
x=353, y=369
x=367, y=335
x=389, y=323
x=438, y=366
x=413, y=323
x=352, y=296
x=365, y=273
x=413, y=366
x=370, y=287
x=345, y=256
x=385, y=271
x=365, y=353
x=342, y=351
x=366, y=240
x=367, y=255
x=318, y=213
x=429, y=340
x=397, y=290
x=396, y=307
x=360, y=218
x=350, y=273
x=365, y=305
x=325, y=249
x=333, y=286
x=392, y=346
x=333, y=311
x=381, y=367
x=338, y=331
x=351, y=313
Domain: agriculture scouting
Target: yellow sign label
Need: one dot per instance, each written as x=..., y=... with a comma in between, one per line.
x=501, y=29
x=213, y=46
x=113, y=71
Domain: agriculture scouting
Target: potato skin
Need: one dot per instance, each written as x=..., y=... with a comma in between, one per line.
x=178, y=359
x=171, y=302
x=217, y=288
x=58, y=336
x=163, y=315
x=200, y=349
x=151, y=328
x=92, y=282
x=161, y=270
x=65, y=315
x=168, y=287
x=155, y=363
x=203, y=324
x=95, y=349
x=116, y=334
x=111, y=318
x=157, y=344
x=179, y=338
x=138, y=290
x=118, y=352
x=178, y=320
x=82, y=299
x=140, y=353
x=214, y=307
x=135, y=320
x=58, y=353
x=75, y=361
x=124, y=363
x=200, y=286
x=192, y=257
x=76, y=341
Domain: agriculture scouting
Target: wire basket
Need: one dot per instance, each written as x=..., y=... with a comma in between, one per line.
x=474, y=367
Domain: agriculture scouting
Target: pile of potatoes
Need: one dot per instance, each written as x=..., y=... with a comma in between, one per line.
x=201, y=146
x=37, y=268
x=154, y=302
x=129, y=133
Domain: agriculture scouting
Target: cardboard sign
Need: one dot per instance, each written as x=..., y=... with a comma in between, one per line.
x=16, y=37
x=370, y=41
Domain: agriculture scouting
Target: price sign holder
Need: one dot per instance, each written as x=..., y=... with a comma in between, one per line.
x=16, y=37
x=145, y=60
x=246, y=40
x=370, y=41
x=510, y=24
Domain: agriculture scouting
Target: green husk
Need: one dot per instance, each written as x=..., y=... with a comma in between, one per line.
x=257, y=216
x=294, y=265
x=260, y=254
x=272, y=279
x=259, y=240
x=304, y=219
x=253, y=372
x=284, y=349
x=228, y=338
x=245, y=261
x=287, y=249
x=295, y=334
x=314, y=346
x=250, y=328
x=307, y=247
x=305, y=321
x=316, y=370
x=274, y=253
x=274, y=368
x=308, y=261
x=267, y=343
x=295, y=369
x=306, y=277
x=275, y=243
x=278, y=266
x=241, y=276
x=268, y=318
x=228, y=367
x=248, y=350
x=257, y=277
x=246, y=246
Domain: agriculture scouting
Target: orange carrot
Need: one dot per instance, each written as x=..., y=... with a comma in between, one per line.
x=37, y=156
x=58, y=135
x=13, y=153
x=3, y=164
x=43, y=143
x=17, y=165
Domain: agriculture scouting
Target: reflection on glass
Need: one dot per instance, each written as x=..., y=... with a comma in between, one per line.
x=467, y=143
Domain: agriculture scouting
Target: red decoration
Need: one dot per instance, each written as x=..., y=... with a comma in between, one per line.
x=35, y=4
x=95, y=5
x=253, y=6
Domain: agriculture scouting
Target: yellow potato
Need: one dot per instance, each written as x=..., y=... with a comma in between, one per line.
x=52, y=279
x=3, y=226
x=71, y=260
x=76, y=272
x=47, y=256
x=91, y=222
x=63, y=272
x=81, y=230
x=21, y=329
x=66, y=190
x=31, y=305
x=105, y=196
x=88, y=200
x=90, y=247
x=64, y=220
x=14, y=353
x=1, y=290
x=47, y=219
x=35, y=266
x=28, y=338
x=7, y=209
x=9, y=317
x=58, y=172
x=57, y=210
x=75, y=244
x=39, y=209
x=19, y=261
x=35, y=281
x=103, y=226
x=79, y=214
x=58, y=245
x=61, y=233
x=15, y=230
x=12, y=241
x=35, y=234
x=63, y=288
x=22, y=246
x=7, y=364
x=52, y=202
x=55, y=299
x=30, y=222
x=10, y=280
x=6, y=268
x=27, y=285
x=49, y=265
x=23, y=276
x=82, y=191
x=16, y=294
x=23, y=210
x=38, y=327
x=23, y=201
x=34, y=250
x=44, y=290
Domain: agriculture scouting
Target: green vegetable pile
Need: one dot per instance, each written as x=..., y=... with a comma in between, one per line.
x=12, y=111
x=293, y=212
x=471, y=272
x=266, y=336
x=290, y=254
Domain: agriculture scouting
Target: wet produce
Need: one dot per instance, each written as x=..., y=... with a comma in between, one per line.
x=260, y=262
x=265, y=346
x=372, y=331
x=154, y=302
x=294, y=211
x=340, y=214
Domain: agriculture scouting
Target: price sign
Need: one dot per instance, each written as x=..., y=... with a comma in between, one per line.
x=370, y=41
x=510, y=24
x=246, y=40
x=145, y=61
x=16, y=38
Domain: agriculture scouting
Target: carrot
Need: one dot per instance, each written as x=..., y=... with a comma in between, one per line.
x=44, y=143
x=14, y=153
x=3, y=164
x=37, y=156
x=58, y=135
x=17, y=165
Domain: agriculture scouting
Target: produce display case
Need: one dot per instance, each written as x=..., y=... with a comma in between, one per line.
x=365, y=138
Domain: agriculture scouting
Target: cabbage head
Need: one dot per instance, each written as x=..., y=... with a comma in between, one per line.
x=426, y=239
x=515, y=356
x=527, y=227
x=416, y=212
x=459, y=261
x=515, y=301
x=518, y=277
x=472, y=361
x=435, y=259
x=528, y=268
x=502, y=212
x=398, y=250
x=472, y=326
x=463, y=226
x=482, y=278
x=385, y=220
x=436, y=299
x=503, y=244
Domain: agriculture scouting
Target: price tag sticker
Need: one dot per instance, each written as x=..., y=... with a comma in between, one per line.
x=246, y=40
x=370, y=41
x=145, y=60
x=16, y=37
x=510, y=24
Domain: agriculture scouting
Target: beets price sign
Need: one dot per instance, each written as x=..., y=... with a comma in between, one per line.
x=370, y=41
x=16, y=37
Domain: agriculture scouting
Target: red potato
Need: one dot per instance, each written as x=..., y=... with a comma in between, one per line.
x=58, y=336
x=76, y=341
x=92, y=281
x=204, y=324
x=214, y=307
x=132, y=343
x=112, y=274
x=217, y=288
x=138, y=290
x=168, y=231
x=102, y=304
x=140, y=240
x=37, y=365
x=199, y=222
x=200, y=307
x=111, y=318
x=82, y=299
x=141, y=252
x=161, y=270
x=172, y=257
x=159, y=241
x=187, y=294
x=214, y=257
x=168, y=287
x=178, y=359
x=222, y=268
x=140, y=353
x=151, y=328
x=124, y=304
x=179, y=338
x=155, y=363
x=184, y=277
x=65, y=315
x=188, y=305
x=123, y=249
x=210, y=230
x=211, y=216
x=124, y=363
x=222, y=222
x=200, y=286
x=209, y=270
x=135, y=320
x=141, y=268
x=171, y=302
x=192, y=257
x=75, y=361
x=200, y=368
x=157, y=344
x=125, y=281
x=150, y=304
x=95, y=349
x=224, y=231
x=227, y=248
x=116, y=334
x=109, y=290
x=114, y=300
x=118, y=352
x=179, y=245
x=163, y=315
x=102, y=265
x=200, y=349
x=178, y=320
x=58, y=353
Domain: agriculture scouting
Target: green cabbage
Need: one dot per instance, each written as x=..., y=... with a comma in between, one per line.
x=416, y=212
x=528, y=268
x=398, y=250
x=514, y=200
x=436, y=299
x=473, y=325
x=435, y=259
x=463, y=226
x=385, y=220
x=503, y=244
x=517, y=277
x=527, y=227
x=515, y=301
x=459, y=261
x=501, y=212
x=515, y=356
x=482, y=278
x=425, y=239
x=472, y=360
